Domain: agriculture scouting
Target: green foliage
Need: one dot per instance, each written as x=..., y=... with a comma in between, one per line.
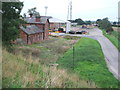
x=114, y=23
x=113, y=37
x=88, y=22
x=79, y=21
x=89, y=63
x=105, y=24
x=33, y=12
x=11, y=21
x=98, y=21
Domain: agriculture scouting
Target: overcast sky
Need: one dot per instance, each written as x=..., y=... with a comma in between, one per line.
x=84, y=9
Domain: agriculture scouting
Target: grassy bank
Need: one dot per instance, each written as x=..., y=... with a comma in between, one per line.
x=88, y=63
x=20, y=73
x=29, y=66
x=113, y=37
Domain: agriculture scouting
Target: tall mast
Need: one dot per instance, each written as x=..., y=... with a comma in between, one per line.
x=69, y=16
x=71, y=10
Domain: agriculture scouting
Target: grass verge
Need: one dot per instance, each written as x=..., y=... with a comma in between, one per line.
x=89, y=63
x=113, y=37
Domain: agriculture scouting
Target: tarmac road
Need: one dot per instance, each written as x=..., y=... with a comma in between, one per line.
x=110, y=51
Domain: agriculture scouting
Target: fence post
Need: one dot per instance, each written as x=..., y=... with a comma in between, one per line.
x=73, y=56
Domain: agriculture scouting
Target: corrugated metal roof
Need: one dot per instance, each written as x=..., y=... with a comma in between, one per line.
x=55, y=20
x=31, y=29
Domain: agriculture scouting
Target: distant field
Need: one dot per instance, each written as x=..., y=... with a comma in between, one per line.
x=89, y=63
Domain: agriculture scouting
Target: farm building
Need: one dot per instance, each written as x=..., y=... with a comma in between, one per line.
x=31, y=34
x=35, y=30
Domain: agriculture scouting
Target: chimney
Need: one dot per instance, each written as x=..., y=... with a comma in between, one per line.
x=37, y=19
x=31, y=15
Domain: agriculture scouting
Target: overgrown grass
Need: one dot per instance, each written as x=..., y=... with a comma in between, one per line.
x=28, y=67
x=89, y=63
x=20, y=73
x=47, y=51
x=71, y=37
x=113, y=37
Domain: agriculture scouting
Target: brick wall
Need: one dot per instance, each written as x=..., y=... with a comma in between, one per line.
x=52, y=26
x=29, y=39
x=23, y=36
x=35, y=38
x=46, y=32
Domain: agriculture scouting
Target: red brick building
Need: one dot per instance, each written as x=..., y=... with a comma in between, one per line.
x=56, y=23
x=35, y=30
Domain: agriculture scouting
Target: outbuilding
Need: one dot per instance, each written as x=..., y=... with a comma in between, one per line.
x=35, y=30
x=56, y=23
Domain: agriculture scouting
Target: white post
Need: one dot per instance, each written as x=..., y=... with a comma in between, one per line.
x=68, y=26
x=119, y=11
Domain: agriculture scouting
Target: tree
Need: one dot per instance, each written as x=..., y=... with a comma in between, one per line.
x=11, y=21
x=88, y=22
x=79, y=21
x=33, y=12
x=98, y=21
x=105, y=24
x=114, y=23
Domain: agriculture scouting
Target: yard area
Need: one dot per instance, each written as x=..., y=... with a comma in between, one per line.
x=88, y=63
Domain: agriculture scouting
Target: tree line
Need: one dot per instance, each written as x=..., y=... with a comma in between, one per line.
x=79, y=21
x=105, y=24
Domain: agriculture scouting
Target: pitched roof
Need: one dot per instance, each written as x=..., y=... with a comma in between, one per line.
x=43, y=19
x=31, y=29
x=30, y=20
x=55, y=20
